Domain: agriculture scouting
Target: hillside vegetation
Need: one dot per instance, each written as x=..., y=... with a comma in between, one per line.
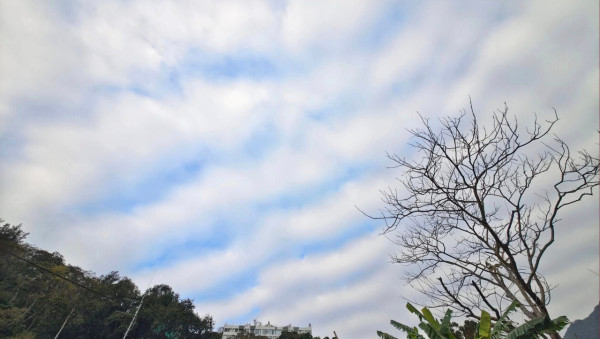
x=41, y=295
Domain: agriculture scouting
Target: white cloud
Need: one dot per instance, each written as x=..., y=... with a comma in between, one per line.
x=332, y=215
x=321, y=289
x=132, y=238
x=81, y=134
x=36, y=55
x=168, y=29
x=75, y=160
x=529, y=62
x=326, y=24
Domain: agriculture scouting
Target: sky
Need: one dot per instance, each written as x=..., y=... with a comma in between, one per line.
x=223, y=147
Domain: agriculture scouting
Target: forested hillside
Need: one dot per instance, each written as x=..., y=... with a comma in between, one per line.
x=41, y=295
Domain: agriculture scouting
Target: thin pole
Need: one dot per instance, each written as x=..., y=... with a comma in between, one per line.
x=139, y=306
x=65, y=322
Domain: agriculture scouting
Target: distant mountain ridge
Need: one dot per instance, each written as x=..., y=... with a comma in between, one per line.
x=588, y=328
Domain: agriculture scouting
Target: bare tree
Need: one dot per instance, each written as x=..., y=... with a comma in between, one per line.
x=479, y=208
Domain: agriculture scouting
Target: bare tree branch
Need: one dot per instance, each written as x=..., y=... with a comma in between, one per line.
x=474, y=214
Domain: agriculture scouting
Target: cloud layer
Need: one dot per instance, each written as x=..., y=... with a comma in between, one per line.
x=223, y=146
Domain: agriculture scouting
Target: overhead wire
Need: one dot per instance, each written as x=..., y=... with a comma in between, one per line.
x=59, y=276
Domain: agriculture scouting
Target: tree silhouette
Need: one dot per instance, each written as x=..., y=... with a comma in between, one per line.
x=479, y=207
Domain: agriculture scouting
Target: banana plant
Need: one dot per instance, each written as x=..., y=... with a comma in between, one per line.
x=431, y=326
x=503, y=328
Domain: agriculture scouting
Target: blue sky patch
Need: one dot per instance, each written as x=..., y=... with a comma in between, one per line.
x=335, y=242
x=306, y=195
x=228, y=67
x=237, y=283
x=194, y=246
x=123, y=194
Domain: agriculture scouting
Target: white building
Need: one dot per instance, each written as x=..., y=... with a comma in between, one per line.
x=268, y=330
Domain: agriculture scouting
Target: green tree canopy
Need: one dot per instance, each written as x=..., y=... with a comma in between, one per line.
x=40, y=292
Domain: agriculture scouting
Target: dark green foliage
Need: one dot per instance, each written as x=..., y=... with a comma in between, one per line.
x=466, y=331
x=211, y=335
x=11, y=234
x=504, y=328
x=35, y=301
x=294, y=335
x=165, y=315
x=537, y=326
x=247, y=335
